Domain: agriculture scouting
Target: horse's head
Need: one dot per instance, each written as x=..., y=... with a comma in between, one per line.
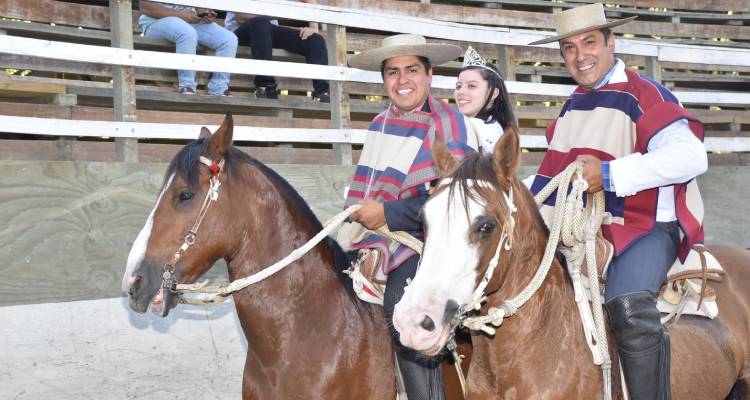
x=182, y=237
x=465, y=218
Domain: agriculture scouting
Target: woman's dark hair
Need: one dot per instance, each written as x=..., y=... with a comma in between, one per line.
x=500, y=109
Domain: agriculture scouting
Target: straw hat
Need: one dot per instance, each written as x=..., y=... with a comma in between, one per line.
x=404, y=45
x=582, y=19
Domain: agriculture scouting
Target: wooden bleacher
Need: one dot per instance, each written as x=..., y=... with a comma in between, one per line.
x=80, y=90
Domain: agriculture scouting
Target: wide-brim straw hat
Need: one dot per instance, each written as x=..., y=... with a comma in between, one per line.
x=582, y=19
x=404, y=45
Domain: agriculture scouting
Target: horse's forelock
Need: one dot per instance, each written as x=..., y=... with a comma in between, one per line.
x=473, y=168
x=184, y=162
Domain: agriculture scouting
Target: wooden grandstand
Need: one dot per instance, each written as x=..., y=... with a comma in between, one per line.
x=713, y=36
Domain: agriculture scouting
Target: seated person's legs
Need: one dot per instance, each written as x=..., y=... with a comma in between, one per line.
x=422, y=376
x=224, y=43
x=185, y=38
x=257, y=33
x=633, y=282
x=313, y=48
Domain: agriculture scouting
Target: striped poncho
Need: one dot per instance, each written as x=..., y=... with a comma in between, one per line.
x=614, y=121
x=396, y=163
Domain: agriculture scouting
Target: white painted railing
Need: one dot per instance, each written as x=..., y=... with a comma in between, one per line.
x=85, y=128
x=156, y=59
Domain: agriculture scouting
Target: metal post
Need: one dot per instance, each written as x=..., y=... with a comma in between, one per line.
x=340, y=111
x=123, y=78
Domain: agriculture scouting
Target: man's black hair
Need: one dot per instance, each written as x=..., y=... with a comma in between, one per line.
x=422, y=59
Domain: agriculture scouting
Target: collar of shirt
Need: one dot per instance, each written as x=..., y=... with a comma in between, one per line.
x=616, y=74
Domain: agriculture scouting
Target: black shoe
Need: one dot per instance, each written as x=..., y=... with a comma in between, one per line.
x=643, y=345
x=322, y=98
x=267, y=92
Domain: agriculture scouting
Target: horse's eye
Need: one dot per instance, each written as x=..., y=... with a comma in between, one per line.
x=484, y=228
x=186, y=195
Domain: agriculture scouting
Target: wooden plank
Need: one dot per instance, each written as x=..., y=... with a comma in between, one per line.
x=57, y=127
x=123, y=77
x=97, y=129
x=530, y=19
x=99, y=54
x=356, y=18
x=697, y=5
x=340, y=109
x=24, y=89
x=617, y=11
x=104, y=151
x=57, y=12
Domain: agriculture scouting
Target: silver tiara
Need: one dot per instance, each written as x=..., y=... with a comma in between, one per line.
x=473, y=59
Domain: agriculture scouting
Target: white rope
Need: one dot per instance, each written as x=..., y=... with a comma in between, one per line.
x=221, y=293
x=572, y=226
x=239, y=284
x=495, y=315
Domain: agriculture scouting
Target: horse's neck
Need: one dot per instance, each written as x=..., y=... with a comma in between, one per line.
x=546, y=333
x=300, y=292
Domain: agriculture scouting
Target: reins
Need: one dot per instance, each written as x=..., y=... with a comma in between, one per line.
x=575, y=226
x=574, y=223
x=221, y=293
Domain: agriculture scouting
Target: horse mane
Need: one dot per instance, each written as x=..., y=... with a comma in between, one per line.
x=183, y=164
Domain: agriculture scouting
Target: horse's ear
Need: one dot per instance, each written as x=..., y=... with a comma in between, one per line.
x=205, y=133
x=443, y=157
x=221, y=140
x=507, y=155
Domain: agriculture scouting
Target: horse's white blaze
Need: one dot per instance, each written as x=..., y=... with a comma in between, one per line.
x=138, y=251
x=446, y=272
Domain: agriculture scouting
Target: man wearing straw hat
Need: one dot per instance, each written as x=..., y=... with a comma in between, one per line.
x=394, y=175
x=644, y=150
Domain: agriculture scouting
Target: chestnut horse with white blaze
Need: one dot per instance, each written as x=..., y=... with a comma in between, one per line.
x=541, y=352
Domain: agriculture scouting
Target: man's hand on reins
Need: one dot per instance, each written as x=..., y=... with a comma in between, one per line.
x=592, y=172
x=371, y=215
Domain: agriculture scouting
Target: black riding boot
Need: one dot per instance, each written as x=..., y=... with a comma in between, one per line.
x=643, y=345
x=423, y=376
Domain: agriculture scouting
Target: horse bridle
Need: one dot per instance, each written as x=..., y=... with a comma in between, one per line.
x=479, y=295
x=168, y=279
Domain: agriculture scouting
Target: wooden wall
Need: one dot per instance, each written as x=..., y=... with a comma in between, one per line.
x=67, y=227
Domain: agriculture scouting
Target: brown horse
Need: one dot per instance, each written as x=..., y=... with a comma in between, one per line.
x=541, y=353
x=308, y=336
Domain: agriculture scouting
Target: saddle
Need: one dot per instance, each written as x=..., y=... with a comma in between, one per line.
x=687, y=290
x=368, y=276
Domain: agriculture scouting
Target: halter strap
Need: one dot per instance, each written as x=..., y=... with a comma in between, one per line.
x=168, y=279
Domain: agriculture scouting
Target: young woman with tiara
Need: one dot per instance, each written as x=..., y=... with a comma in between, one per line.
x=481, y=95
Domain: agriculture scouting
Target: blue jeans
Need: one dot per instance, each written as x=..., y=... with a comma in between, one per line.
x=644, y=265
x=186, y=37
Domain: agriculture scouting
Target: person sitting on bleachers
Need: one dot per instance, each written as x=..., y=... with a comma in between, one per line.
x=186, y=27
x=264, y=34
